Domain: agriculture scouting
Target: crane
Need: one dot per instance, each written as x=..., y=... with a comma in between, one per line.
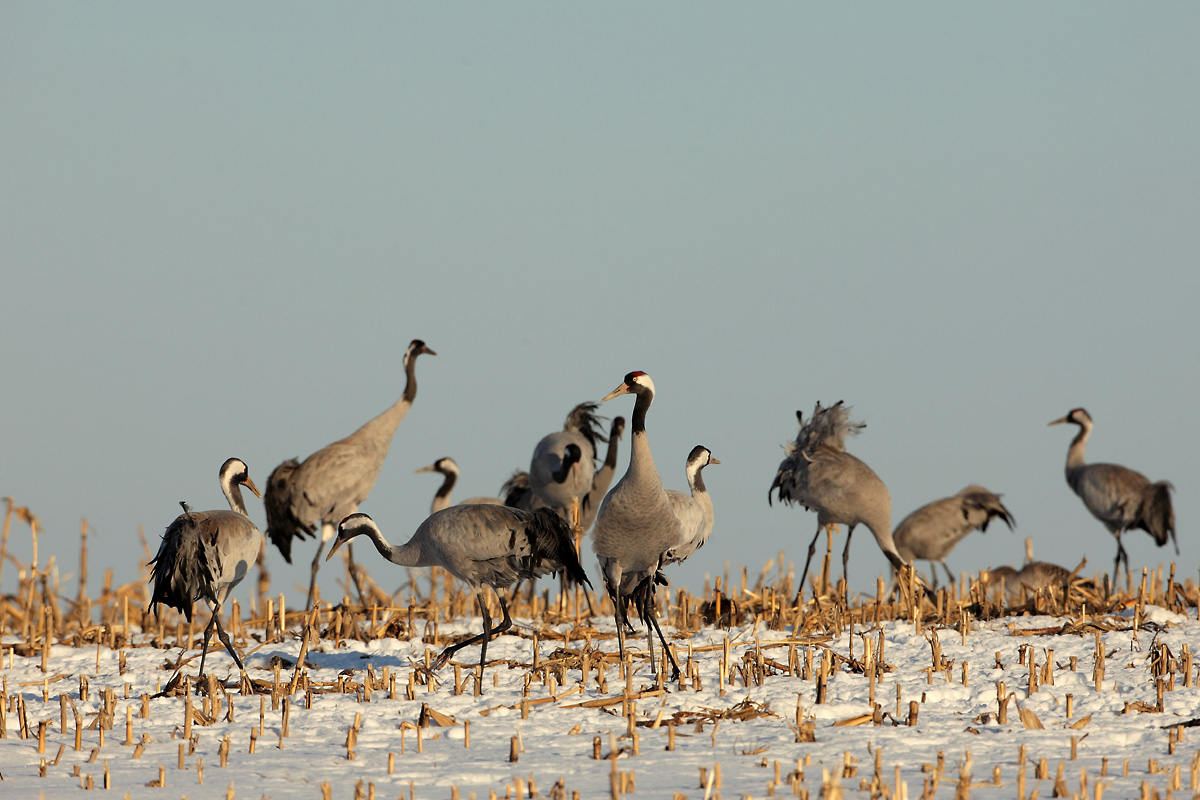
x=518, y=493
x=558, y=482
x=1121, y=498
x=203, y=555
x=694, y=510
x=636, y=525
x=820, y=475
x=332, y=482
x=448, y=468
x=1034, y=576
x=481, y=545
x=933, y=530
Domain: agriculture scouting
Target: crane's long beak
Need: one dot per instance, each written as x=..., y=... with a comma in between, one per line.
x=249, y=484
x=617, y=392
x=430, y=468
x=1058, y=421
x=713, y=460
x=336, y=544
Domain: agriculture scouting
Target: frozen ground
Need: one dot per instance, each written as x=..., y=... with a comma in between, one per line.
x=557, y=735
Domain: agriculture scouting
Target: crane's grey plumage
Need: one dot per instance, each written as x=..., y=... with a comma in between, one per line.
x=204, y=554
x=1030, y=578
x=448, y=468
x=518, y=493
x=331, y=483
x=820, y=475
x=481, y=545
x=603, y=477
x=693, y=509
x=1119, y=497
x=566, y=491
x=933, y=530
x=636, y=525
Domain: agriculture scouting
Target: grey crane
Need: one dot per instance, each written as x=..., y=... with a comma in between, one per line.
x=204, y=554
x=820, y=475
x=518, y=492
x=933, y=530
x=636, y=525
x=448, y=468
x=1030, y=578
x=693, y=509
x=481, y=545
x=602, y=480
x=1119, y=497
x=332, y=482
x=555, y=480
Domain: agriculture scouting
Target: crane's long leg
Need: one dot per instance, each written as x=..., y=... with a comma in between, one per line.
x=225, y=640
x=812, y=548
x=316, y=564
x=208, y=629
x=619, y=618
x=488, y=633
x=648, y=612
x=949, y=575
x=846, y=565
x=1121, y=556
x=215, y=622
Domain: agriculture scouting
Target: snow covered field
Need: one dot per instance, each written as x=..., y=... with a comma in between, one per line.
x=738, y=734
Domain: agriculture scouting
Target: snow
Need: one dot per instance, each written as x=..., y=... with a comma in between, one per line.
x=556, y=733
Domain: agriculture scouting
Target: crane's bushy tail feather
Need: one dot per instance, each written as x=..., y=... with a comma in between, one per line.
x=1158, y=516
x=178, y=570
x=583, y=418
x=553, y=546
x=282, y=525
x=827, y=427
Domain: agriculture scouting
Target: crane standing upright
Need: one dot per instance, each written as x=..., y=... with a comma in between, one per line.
x=636, y=525
x=1121, y=498
x=332, y=482
x=820, y=475
x=203, y=555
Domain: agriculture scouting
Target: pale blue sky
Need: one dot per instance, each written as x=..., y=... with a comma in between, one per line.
x=221, y=224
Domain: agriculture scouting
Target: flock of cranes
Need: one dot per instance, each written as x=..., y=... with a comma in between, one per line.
x=638, y=527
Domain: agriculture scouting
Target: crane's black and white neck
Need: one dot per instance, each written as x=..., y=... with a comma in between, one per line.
x=233, y=475
x=639, y=384
x=1075, y=453
x=572, y=453
x=448, y=469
